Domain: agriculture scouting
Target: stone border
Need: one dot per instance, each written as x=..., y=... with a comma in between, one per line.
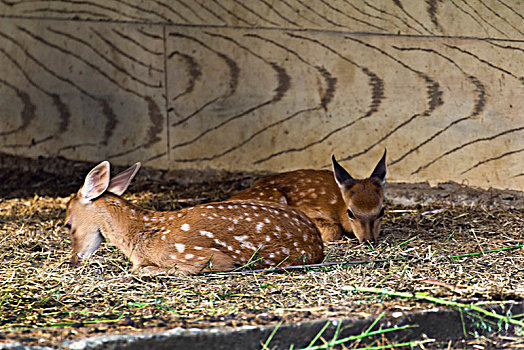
x=435, y=323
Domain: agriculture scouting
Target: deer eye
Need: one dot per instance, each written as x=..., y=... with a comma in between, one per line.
x=381, y=214
x=68, y=226
x=351, y=215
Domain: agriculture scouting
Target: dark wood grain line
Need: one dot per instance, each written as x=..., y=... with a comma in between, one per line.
x=507, y=47
x=27, y=115
x=331, y=81
x=279, y=14
x=234, y=72
x=156, y=126
x=93, y=49
x=31, y=144
x=231, y=13
x=194, y=70
x=337, y=10
x=482, y=18
x=190, y=9
x=81, y=59
x=74, y=146
x=432, y=8
x=149, y=35
x=471, y=16
x=135, y=42
x=256, y=14
x=467, y=144
x=281, y=90
x=318, y=14
x=211, y=12
x=519, y=175
x=362, y=12
x=480, y=101
x=172, y=10
x=433, y=91
x=144, y=10
x=251, y=137
x=123, y=53
x=488, y=160
x=511, y=9
x=392, y=15
x=501, y=18
x=401, y=7
x=108, y=113
x=377, y=88
x=64, y=114
x=75, y=12
x=485, y=62
x=284, y=82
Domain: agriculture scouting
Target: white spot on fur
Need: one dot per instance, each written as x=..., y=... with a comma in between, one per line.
x=171, y=217
x=268, y=238
x=241, y=238
x=235, y=221
x=271, y=255
x=285, y=251
x=248, y=219
x=146, y=218
x=220, y=207
x=180, y=247
x=179, y=214
x=333, y=201
x=163, y=238
x=266, y=220
x=277, y=228
x=197, y=247
x=207, y=233
x=259, y=227
x=189, y=256
x=209, y=207
x=185, y=227
x=172, y=257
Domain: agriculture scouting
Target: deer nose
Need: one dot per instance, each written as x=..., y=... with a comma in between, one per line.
x=75, y=261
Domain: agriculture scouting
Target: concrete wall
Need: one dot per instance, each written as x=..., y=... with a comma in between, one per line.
x=269, y=85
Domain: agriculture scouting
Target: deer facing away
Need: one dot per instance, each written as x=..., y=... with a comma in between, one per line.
x=335, y=201
x=217, y=236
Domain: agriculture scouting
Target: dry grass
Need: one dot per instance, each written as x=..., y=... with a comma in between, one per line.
x=43, y=301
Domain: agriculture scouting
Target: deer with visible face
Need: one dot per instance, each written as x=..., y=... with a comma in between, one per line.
x=335, y=201
x=217, y=236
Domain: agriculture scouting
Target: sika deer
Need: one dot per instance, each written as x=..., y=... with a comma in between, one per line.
x=217, y=236
x=336, y=202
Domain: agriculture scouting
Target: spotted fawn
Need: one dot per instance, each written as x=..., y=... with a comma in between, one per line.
x=335, y=201
x=217, y=236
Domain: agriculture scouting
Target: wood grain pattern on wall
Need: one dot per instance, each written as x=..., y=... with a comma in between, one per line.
x=82, y=90
x=269, y=85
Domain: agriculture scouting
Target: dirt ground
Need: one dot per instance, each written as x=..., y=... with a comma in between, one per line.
x=449, y=242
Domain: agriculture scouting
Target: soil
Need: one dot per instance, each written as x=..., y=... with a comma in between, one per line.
x=428, y=236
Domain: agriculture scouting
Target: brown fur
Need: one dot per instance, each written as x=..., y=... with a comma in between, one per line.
x=323, y=200
x=216, y=236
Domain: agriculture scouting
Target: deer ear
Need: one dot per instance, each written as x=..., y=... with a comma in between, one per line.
x=380, y=170
x=342, y=177
x=96, y=182
x=119, y=183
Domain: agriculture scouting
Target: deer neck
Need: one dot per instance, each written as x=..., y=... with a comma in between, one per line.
x=123, y=223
